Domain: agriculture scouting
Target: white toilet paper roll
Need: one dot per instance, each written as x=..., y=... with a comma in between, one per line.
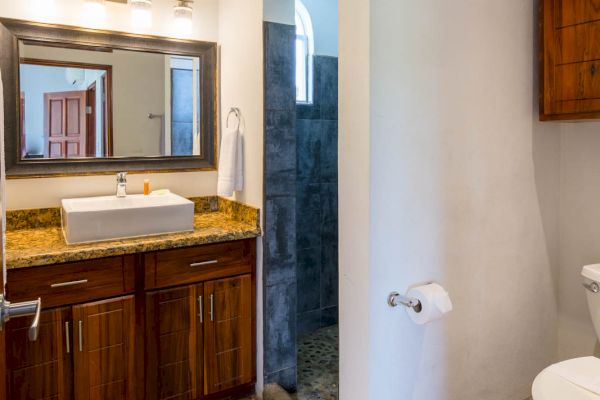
x=435, y=303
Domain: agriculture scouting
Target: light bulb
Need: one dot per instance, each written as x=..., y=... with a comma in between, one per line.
x=183, y=17
x=141, y=13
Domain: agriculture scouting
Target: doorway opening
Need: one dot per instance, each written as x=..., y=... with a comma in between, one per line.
x=316, y=200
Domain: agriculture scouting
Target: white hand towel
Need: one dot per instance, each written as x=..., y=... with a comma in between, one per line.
x=231, y=163
x=583, y=372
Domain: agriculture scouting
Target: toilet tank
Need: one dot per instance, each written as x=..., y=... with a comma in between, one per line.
x=591, y=275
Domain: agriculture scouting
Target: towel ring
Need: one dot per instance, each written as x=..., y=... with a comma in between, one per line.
x=238, y=115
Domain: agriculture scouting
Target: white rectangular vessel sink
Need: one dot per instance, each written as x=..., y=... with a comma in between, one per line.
x=93, y=219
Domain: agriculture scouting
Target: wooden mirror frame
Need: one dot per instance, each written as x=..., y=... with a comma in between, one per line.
x=11, y=31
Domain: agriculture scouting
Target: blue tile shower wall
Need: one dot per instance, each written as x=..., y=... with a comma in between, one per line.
x=280, y=255
x=317, y=202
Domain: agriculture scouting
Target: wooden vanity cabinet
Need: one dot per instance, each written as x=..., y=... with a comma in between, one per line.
x=41, y=369
x=82, y=352
x=569, y=59
x=228, y=338
x=174, y=337
x=103, y=350
x=175, y=324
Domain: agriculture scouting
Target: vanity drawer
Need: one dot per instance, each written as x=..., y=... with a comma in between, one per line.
x=72, y=283
x=195, y=264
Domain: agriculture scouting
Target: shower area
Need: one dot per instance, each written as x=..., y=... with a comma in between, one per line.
x=300, y=260
x=316, y=206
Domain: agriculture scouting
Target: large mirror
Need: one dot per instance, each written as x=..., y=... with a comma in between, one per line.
x=91, y=101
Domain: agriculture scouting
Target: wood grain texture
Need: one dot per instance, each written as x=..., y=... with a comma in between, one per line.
x=159, y=344
x=174, y=334
x=104, y=350
x=181, y=266
x=227, y=333
x=41, y=369
x=106, y=277
x=569, y=59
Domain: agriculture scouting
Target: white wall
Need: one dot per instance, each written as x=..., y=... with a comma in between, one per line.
x=241, y=55
x=354, y=193
x=462, y=189
x=206, y=16
x=324, y=15
x=580, y=234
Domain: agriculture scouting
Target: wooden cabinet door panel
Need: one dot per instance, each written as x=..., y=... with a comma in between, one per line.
x=574, y=44
x=571, y=12
x=174, y=343
x=228, y=333
x=40, y=369
x=578, y=81
x=569, y=59
x=104, y=349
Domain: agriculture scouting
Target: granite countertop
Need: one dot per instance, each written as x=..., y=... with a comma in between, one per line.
x=34, y=237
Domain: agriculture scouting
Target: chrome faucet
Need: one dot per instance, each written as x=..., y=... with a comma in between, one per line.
x=121, y=184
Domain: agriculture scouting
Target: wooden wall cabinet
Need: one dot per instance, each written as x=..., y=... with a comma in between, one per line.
x=176, y=324
x=569, y=59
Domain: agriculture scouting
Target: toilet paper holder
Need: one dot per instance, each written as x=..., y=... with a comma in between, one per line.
x=395, y=299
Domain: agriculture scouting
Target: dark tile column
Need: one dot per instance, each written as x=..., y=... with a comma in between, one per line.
x=280, y=256
x=317, y=201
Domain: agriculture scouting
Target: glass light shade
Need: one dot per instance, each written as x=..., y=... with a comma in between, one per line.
x=141, y=13
x=183, y=17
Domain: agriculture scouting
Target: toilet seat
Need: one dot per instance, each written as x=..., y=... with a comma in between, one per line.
x=550, y=386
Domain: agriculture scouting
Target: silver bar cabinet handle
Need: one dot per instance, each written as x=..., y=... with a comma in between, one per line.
x=72, y=283
x=203, y=263
x=200, y=312
x=67, y=338
x=80, y=336
x=212, y=308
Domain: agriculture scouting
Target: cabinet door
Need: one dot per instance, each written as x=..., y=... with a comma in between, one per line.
x=104, y=349
x=228, y=338
x=40, y=369
x=174, y=343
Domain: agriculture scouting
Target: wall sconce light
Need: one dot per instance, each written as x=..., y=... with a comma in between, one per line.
x=183, y=16
x=141, y=13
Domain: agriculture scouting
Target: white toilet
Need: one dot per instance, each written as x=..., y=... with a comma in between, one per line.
x=577, y=379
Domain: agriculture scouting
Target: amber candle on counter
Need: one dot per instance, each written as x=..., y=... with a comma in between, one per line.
x=146, y=187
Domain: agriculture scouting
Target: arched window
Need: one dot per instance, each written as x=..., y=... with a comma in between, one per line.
x=305, y=48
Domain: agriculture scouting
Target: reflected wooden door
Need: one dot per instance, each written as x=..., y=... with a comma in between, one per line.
x=228, y=333
x=104, y=334
x=174, y=343
x=90, y=120
x=65, y=124
x=42, y=369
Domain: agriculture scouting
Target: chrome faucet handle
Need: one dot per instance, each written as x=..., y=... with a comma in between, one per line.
x=121, y=177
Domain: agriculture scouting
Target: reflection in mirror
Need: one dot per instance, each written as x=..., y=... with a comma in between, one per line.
x=90, y=103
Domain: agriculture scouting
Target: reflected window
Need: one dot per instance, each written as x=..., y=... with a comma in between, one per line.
x=305, y=47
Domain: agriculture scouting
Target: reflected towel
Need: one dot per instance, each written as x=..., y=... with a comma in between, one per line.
x=231, y=164
x=585, y=373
